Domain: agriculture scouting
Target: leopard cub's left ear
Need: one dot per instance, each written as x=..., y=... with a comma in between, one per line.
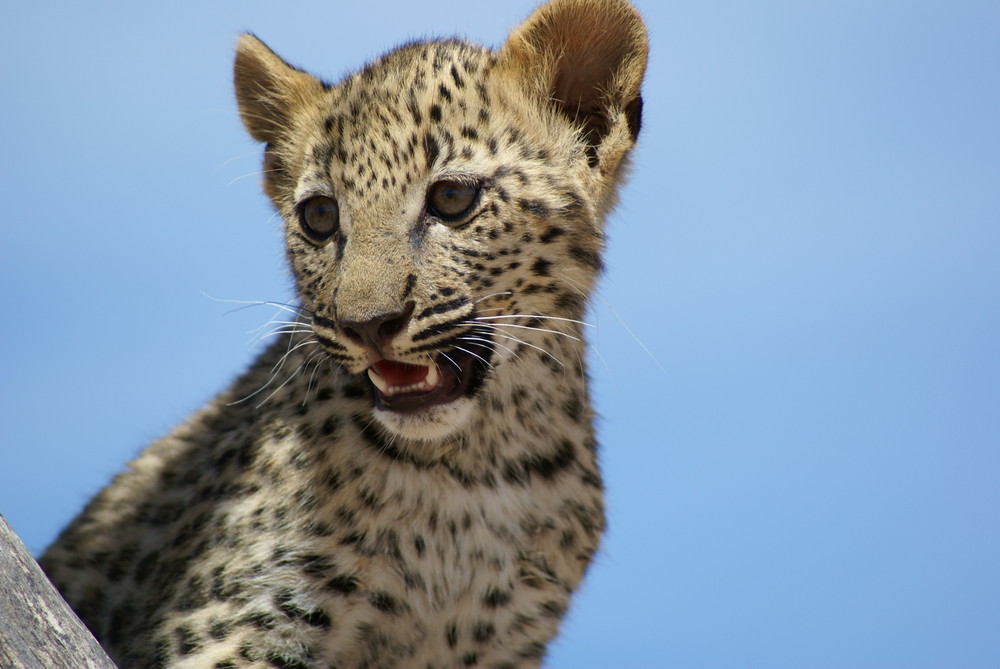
x=589, y=58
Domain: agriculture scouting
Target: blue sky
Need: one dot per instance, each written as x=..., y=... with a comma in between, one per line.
x=797, y=351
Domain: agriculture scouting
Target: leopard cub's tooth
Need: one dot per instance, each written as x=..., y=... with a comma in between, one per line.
x=379, y=382
x=433, y=378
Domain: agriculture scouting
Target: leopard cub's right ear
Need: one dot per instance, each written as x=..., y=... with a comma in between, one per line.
x=269, y=91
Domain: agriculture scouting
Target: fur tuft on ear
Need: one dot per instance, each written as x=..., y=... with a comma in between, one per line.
x=589, y=58
x=268, y=89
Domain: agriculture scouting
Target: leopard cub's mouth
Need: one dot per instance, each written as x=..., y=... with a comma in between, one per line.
x=406, y=387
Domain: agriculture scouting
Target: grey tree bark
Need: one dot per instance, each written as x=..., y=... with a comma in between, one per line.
x=38, y=630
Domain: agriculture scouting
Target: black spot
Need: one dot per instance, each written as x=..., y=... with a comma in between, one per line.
x=521, y=470
x=315, y=565
x=444, y=92
x=187, y=640
x=330, y=426
x=533, y=651
x=573, y=407
x=161, y=653
x=260, y=619
x=318, y=529
x=592, y=480
x=369, y=498
x=553, y=609
x=411, y=281
x=383, y=602
x=541, y=267
x=342, y=584
x=551, y=234
x=483, y=632
x=495, y=598
x=219, y=629
x=317, y=618
x=435, y=113
x=431, y=149
x=470, y=659
x=586, y=257
x=194, y=595
x=451, y=635
x=412, y=579
x=572, y=302
x=280, y=661
x=247, y=652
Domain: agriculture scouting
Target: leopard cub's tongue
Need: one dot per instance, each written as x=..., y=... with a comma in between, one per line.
x=393, y=378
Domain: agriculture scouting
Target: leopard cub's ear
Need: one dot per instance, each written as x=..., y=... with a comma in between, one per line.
x=589, y=58
x=268, y=90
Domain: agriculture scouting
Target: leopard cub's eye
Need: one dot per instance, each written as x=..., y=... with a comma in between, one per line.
x=452, y=201
x=319, y=218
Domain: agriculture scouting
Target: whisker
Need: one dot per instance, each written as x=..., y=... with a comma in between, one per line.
x=453, y=363
x=475, y=355
x=226, y=162
x=283, y=384
x=282, y=306
x=529, y=345
x=291, y=349
x=277, y=332
x=275, y=370
x=507, y=293
x=318, y=357
x=249, y=174
x=576, y=286
x=538, y=316
x=492, y=343
x=528, y=327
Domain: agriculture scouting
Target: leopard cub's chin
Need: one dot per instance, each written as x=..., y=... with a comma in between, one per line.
x=428, y=424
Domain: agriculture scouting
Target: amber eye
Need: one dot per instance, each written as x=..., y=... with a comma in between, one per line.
x=319, y=218
x=452, y=201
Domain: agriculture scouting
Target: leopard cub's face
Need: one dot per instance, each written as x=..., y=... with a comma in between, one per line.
x=440, y=221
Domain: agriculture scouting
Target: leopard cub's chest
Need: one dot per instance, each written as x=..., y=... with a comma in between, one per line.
x=428, y=568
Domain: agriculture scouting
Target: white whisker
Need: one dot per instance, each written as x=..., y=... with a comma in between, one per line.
x=492, y=343
x=606, y=303
x=529, y=345
x=506, y=293
x=536, y=316
x=475, y=355
x=282, y=306
x=249, y=174
x=527, y=327
x=453, y=363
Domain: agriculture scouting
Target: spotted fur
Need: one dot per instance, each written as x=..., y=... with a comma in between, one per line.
x=305, y=518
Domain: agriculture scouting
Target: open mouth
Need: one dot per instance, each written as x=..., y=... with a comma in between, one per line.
x=403, y=387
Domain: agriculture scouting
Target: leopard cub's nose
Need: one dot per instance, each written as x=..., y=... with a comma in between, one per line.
x=376, y=332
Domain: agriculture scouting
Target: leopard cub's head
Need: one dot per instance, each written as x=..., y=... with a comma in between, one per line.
x=443, y=205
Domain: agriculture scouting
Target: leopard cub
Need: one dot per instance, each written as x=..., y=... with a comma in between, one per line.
x=407, y=477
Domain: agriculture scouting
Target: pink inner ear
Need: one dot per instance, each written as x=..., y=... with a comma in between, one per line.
x=401, y=374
